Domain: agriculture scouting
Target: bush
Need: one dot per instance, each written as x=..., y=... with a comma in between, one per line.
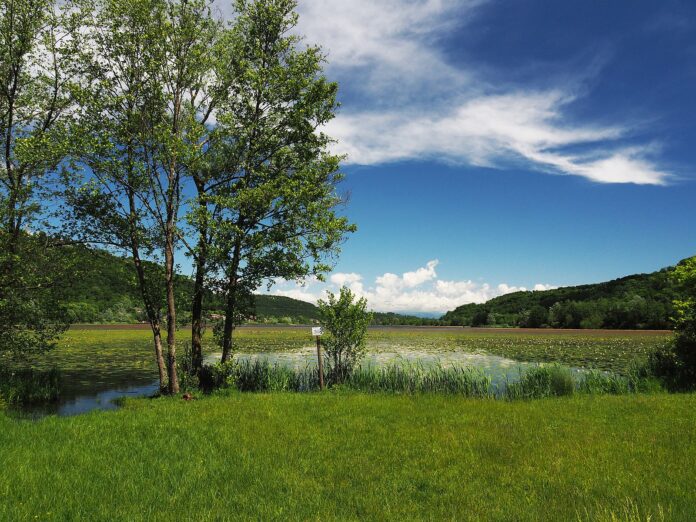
x=346, y=322
x=258, y=376
x=675, y=363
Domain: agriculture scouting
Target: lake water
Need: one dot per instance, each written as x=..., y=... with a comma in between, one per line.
x=84, y=391
x=498, y=368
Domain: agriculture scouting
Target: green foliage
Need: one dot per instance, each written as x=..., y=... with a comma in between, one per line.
x=36, y=71
x=542, y=381
x=675, y=361
x=641, y=301
x=32, y=272
x=346, y=321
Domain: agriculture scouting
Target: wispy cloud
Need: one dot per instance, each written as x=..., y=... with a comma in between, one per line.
x=408, y=102
x=417, y=291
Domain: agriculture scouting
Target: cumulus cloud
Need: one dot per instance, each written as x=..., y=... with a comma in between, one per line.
x=340, y=279
x=409, y=102
x=417, y=291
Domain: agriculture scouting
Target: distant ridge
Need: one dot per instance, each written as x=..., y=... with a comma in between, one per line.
x=641, y=301
x=105, y=291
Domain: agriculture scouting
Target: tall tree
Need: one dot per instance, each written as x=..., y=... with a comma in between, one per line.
x=37, y=43
x=146, y=91
x=119, y=101
x=275, y=181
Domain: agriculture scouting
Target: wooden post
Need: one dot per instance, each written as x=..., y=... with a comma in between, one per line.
x=321, y=365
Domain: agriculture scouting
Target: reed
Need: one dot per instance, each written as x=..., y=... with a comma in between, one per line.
x=29, y=386
x=406, y=377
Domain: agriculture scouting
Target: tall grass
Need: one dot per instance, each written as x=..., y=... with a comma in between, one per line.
x=412, y=378
x=29, y=386
x=407, y=377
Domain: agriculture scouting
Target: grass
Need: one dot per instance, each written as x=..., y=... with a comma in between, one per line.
x=29, y=386
x=351, y=456
x=405, y=377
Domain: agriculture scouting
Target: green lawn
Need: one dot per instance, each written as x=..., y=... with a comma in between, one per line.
x=353, y=456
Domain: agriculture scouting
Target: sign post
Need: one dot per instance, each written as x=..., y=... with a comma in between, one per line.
x=316, y=332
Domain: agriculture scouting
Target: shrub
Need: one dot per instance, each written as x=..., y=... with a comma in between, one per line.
x=675, y=363
x=346, y=322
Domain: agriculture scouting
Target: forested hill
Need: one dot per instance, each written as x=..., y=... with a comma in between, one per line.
x=642, y=301
x=104, y=290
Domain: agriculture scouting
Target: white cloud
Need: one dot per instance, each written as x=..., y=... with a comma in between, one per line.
x=409, y=102
x=416, y=291
x=340, y=279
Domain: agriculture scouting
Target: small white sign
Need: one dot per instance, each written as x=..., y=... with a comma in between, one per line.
x=317, y=331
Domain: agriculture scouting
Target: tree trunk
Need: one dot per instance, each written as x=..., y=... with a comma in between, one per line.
x=231, y=303
x=152, y=317
x=198, y=285
x=229, y=324
x=171, y=311
x=197, y=318
x=151, y=310
x=157, y=335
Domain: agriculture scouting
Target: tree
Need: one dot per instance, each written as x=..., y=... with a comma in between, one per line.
x=676, y=362
x=36, y=71
x=536, y=317
x=346, y=320
x=146, y=79
x=273, y=180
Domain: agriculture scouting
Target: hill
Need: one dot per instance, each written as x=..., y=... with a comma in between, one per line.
x=642, y=301
x=104, y=290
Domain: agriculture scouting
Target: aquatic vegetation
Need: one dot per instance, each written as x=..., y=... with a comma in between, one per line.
x=93, y=361
x=405, y=377
x=29, y=386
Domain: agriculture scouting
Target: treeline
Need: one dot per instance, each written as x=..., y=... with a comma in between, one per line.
x=394, y=319
x=104, y=289
x=642, y=301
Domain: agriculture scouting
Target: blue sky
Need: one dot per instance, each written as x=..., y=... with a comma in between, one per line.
x=495, y=145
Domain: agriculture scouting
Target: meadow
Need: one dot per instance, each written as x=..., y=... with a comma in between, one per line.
x=438, y=453
x=353, y=456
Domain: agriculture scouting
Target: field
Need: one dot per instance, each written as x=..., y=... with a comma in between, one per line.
x=339, y=456
x=344, y=455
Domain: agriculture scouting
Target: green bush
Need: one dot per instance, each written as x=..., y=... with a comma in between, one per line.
x=675, y=363
x=346, y=320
